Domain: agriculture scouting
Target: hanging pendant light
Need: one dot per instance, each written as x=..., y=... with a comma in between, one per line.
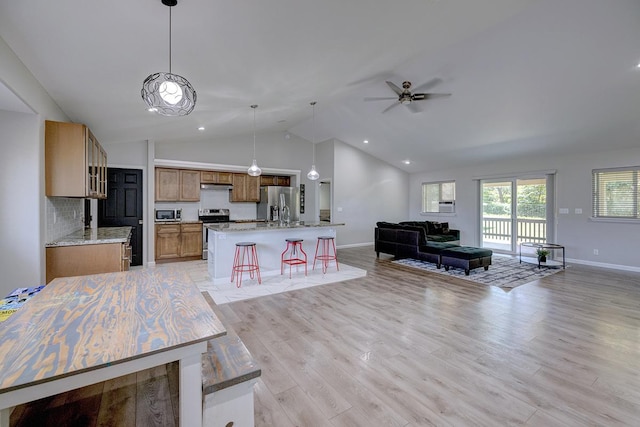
x=254, y=169
x=167, y=93
x=313, y=173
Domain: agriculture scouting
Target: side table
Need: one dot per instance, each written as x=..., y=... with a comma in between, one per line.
x=548, y=246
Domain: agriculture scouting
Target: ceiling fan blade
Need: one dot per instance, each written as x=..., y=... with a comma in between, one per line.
x=414, y=107
x=395, y=104
x=435, y=95
x=428, y=85
x=379, y=98
x=394, y=88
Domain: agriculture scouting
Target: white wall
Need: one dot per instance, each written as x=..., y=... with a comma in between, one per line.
x=365, y=190
x=20, y=213
x=22, y=232
x=617, y=243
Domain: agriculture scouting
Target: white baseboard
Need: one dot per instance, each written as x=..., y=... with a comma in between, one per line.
x=604, y=265
x=354, y=245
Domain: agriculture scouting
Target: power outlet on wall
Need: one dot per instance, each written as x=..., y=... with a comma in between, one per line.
x=595, y=252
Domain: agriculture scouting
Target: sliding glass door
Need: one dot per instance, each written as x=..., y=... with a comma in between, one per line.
x=516, y=210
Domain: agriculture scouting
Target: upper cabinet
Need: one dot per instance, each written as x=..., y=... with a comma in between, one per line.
x=216, y=177
x=245, y=188
x=177, y=185
x=284, y=181
x=75, y=163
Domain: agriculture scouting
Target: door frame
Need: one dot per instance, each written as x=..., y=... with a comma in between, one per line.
x=549, y=176
x=145, y=207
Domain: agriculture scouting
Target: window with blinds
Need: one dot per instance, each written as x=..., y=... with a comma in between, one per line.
x=439, y=197
x=616, y=193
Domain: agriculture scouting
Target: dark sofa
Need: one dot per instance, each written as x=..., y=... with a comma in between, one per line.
x=423, y=240
x=429, y=241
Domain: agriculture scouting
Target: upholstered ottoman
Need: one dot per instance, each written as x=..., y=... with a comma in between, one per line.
x=432, y=250
x=466, y=257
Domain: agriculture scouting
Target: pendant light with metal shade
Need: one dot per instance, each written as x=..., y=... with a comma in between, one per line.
x=313, y=173
x=254, y=169
x=167, y=93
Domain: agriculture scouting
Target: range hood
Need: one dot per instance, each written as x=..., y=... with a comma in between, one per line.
x=218, y=187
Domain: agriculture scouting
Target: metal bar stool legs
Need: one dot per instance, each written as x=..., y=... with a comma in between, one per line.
x=296, y=256
x=325, y=244
x=245, y=251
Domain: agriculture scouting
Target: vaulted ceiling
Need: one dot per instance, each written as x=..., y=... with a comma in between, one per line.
x=526, y=76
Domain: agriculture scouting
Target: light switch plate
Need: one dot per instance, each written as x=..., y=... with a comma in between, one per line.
x=564, y=210
x=578, y=211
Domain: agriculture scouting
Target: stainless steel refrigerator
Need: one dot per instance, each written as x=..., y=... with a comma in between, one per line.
x=273, y=199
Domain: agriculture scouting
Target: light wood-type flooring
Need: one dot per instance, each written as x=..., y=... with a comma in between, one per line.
x=407, y=348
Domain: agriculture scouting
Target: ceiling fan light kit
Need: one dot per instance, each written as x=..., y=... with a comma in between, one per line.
x=169, y=94
x=313, y=174
x=254, y=169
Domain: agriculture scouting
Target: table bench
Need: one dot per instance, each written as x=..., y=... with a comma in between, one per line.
x=229, y=373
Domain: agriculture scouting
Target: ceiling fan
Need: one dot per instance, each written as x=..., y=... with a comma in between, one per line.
x=405, y=97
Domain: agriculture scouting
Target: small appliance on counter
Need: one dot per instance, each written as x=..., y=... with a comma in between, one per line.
x=209, y=216
x=168, y=215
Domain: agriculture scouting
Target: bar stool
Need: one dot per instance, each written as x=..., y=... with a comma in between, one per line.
x=296, y=256
x=325, y=256
x=245, y=260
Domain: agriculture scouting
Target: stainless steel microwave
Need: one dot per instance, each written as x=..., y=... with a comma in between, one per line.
x=168, y=215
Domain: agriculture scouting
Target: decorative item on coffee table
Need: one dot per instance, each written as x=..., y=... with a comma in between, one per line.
x=542, y=254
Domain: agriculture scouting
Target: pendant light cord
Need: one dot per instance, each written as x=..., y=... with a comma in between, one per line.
x=254, y=130
x=170, y=7
x=313, y=130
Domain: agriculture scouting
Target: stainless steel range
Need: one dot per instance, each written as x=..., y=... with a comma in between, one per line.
x=208, y=216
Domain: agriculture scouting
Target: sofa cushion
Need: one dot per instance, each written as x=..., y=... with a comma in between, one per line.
x=436, y=247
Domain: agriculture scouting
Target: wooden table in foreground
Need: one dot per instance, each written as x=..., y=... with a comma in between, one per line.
x=83, y=330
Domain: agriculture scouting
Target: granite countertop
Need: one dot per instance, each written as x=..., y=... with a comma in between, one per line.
x=93, y=237
x=262, y=226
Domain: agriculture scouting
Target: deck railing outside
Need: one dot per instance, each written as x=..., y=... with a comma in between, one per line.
x=498, y=230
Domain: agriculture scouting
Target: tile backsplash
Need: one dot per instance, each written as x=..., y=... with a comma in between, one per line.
x=64, y=216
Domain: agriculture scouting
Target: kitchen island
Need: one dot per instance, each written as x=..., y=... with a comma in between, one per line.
x=270, y=242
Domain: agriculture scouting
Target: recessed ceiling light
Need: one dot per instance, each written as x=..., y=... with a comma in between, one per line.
x=406, y=162
x=638, y=65
x=201, y=128
x=365, y=141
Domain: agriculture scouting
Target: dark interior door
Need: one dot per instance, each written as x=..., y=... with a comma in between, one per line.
x=123, y=206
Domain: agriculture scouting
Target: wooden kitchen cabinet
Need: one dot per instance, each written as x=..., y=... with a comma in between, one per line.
x=177, y=185
x=191, y=240
x=167, y=241
x=246, y=188
x=189, y=186
x=75, y=163
x=178, y=242
x=216, y=177
x=80, y=260
x=284, y=181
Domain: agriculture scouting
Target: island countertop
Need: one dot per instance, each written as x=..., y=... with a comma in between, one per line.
x=93, y=237
x=267, y=226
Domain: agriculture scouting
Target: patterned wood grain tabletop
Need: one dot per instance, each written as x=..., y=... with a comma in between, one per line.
x=77, y=324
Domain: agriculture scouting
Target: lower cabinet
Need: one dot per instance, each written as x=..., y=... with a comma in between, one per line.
x=178, y=242
x=80, y=260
